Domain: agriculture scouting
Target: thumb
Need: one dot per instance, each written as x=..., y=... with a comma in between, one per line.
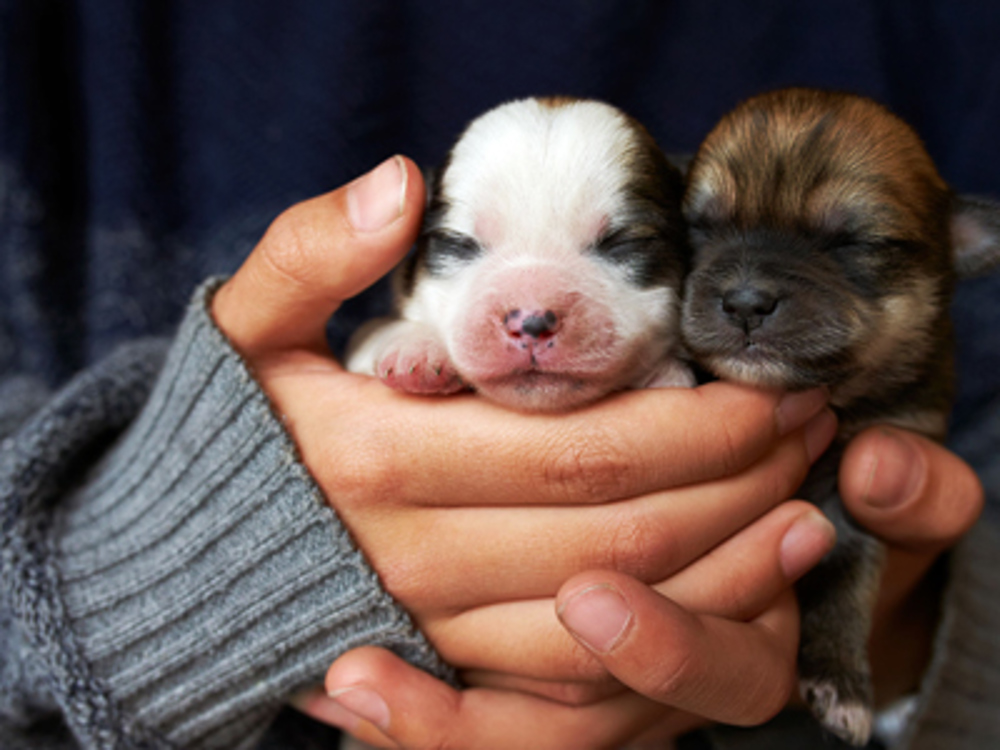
x=910, y=491
x=317, y=254
x=725, y=670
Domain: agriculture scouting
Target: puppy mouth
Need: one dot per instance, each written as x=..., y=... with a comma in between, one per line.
x=780, y=354
x=541, y=390
x=536, y=378
x=748, y=359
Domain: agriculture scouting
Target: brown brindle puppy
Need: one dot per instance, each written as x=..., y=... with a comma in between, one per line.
x=825, y=250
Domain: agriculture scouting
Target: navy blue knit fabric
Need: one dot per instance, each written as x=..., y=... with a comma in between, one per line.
x=147, y=145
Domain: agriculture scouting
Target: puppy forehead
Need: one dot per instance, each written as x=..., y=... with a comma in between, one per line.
x=836, y=162
x=532, y=165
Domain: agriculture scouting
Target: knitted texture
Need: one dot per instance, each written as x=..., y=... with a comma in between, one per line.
x=35, y=466
x=195, y=577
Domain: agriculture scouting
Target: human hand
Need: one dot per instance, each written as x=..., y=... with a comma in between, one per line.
x=747, y=624
x=441, y=494
x=920, y=499
x=912, y=492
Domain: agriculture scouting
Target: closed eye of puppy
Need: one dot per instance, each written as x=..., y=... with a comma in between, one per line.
x=549, y=267
x=825, y=248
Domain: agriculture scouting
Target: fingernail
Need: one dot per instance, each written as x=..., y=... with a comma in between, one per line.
x=795, y=409
x=897, y=470
x=364, y=703
x=598, y=616
x=805, y=543
x=375, y=200
x=819, y=433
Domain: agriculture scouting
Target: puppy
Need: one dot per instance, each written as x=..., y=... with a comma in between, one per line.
x=549, y=267
x=825, y=246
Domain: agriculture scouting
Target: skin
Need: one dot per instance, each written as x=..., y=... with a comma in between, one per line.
x=580, y=512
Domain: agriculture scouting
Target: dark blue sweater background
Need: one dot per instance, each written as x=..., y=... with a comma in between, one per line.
x=146, y=145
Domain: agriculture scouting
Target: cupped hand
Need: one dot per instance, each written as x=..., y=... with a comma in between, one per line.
x=920, y=498
x=474, y=516
x=912, y=492
x=728, y=652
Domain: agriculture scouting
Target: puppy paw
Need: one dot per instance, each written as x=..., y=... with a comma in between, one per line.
x=848, y=717
x=421, y=367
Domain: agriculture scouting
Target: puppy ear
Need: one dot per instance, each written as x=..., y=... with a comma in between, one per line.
x=975, y=235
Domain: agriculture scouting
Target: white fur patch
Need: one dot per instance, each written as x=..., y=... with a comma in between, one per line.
x=849, y=720
x=537, y=184
x=529, y=177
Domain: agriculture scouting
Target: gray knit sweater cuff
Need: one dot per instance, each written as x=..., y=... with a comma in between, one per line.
x=202, y=572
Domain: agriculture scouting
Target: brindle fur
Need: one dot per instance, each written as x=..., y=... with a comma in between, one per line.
x=827, y=206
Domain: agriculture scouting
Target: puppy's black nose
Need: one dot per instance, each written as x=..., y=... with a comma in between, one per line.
x=747, y=306
x=537, y=325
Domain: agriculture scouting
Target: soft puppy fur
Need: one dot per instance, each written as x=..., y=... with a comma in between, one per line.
x=549, y=268
x=825, y=246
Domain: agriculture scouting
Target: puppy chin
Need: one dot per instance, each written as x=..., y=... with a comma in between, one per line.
x=760, y=370
x=541, y=391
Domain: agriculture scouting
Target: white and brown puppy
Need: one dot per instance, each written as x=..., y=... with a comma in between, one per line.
x=549, y=268
x=825, y=247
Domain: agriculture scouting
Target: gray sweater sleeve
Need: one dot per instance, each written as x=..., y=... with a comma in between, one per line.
x=173, y=570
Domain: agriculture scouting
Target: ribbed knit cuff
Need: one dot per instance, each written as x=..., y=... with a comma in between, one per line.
x=201, y=569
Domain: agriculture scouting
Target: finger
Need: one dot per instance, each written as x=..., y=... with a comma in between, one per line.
x=738, y=673
x=737, y=580
x=570, y=693
x=920, y=498
x=460, y=558
x=912, y=492
x=627, y=445
x=457, y=553
x=317, y=254
x=316, y=704
x=386, y=699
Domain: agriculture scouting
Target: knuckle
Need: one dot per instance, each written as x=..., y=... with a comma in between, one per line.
x=367, y=478
x=364, y=463
x=680, y=674
x=729, y=448
x=589, y=467
x=287, y=246
x=630, y=542
x=458, y=728
x=770, y=697
x=733, y=595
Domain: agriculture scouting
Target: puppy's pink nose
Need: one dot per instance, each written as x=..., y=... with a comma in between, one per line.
x=538, y=325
